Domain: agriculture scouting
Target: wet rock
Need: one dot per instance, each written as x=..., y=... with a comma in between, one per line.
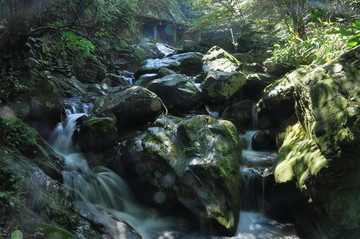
x=89, y=70
x=115, y=80
x=133, y=107
x=188, y=161
x=39, y=98
x=217, y=59
x=36, y=203
x=95, y=134
x=185, y=63
x=240, y=114
x=177, y=92
x=219, y=86
x=191, y=46
x=145, y=79
x=68, y=87
x=264, y=141
x=276, y=68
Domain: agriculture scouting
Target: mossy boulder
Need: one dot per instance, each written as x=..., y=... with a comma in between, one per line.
x=217, y=59
x=219, y=86
x=89, y=70
x=132, y=108
x=240, y=114
x=95, y=134
x=177, y=92
x=196, y=161
x=35, y=98
x=321, y=153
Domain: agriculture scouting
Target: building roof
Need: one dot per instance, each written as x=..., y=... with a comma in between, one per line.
x=162, y=10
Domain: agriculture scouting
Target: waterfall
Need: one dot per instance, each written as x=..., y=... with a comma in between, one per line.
x=100, y=192
x=256, y=166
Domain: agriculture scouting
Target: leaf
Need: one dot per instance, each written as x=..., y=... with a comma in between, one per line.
x=352, y=43
x=357, y=22
x=17, y=234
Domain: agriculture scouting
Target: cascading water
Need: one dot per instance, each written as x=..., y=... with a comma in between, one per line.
x=256, y=166
x=99, y=192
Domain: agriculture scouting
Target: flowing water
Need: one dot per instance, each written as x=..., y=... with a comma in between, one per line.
x=100, y=194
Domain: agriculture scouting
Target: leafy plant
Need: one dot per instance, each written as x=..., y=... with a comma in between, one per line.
x=78, y=43
x=317, y=48
x=352, y=31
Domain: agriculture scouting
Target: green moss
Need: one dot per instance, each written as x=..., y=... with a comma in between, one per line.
x=15, y=133
x=299, y=157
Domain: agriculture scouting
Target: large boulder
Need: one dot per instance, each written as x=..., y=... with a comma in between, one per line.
x=321, y=152
x=133, y=107
x=195, y=161
x=177, y=92
x=38, y=102
x=89, y=70
x=185, y=63
x=217, y=59
x=219, y=86
x=95, y=134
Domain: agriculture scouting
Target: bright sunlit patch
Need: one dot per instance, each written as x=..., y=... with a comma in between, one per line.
x=6, y=112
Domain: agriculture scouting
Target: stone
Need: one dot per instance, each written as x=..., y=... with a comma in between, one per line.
x=217, y=59
x=89, y=70
x=219, y=86
x=277, y=68
x=188, y=161
x=95, y=134
x=132, y=108
x=321, y=152
x=185, y=63
x=240, y=114
x=177, y=92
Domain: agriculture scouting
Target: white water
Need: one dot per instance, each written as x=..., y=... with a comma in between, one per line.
x=99, y=192
x=254, y=224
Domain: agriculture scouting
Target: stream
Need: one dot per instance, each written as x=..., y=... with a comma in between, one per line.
x=101, y=194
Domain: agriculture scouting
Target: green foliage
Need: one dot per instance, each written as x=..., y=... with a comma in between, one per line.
x=352, y=31
x=17, y=234
x=15, y=133
x=317, y=48
x=78, y=43
x=10, y=191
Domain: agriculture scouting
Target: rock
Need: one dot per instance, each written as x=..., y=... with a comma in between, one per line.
x=191, y=46
x=145, y=79
x=89, y=70
x=240, y=114
x=177, y=92
x=95, y=134
x=189, y=161
x=219, y=86
x=264, y=141
x=223, y=42
x=35, y=203
x=321, y=151
x=39, y=98
x=185, y=63
x=163, y=71
x=68, y=87
x=115, y=80
x=217, y=59
x=133, y=107
x=277, y=103
x=276, y=68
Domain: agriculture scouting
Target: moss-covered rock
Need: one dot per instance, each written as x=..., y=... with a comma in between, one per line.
x=96, y=134
x=217, y=59
x=188, y=160
x=133, y=107
x=89, y=69
x=177, y=92
x=219, y=86
x=322, y=154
